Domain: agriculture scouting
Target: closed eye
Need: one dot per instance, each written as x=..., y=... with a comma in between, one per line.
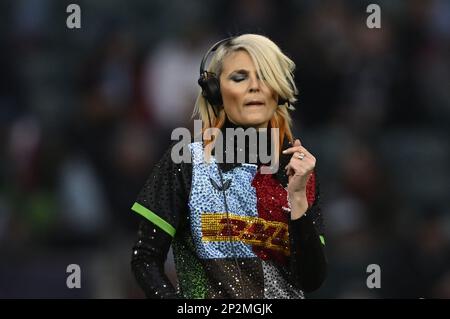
x=238, y=77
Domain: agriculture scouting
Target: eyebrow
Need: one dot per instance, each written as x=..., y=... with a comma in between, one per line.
x=240, y=71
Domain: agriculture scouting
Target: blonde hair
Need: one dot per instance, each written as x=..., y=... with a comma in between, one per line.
x=272, y=65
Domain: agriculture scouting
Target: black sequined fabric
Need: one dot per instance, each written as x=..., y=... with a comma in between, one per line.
x=234, y=241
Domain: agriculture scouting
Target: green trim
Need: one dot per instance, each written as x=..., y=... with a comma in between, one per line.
x=322, y=240
x=155, y=219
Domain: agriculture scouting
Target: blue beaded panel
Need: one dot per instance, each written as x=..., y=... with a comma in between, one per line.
x=204, y=198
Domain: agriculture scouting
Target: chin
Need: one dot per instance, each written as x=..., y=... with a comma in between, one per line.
x=254, y=122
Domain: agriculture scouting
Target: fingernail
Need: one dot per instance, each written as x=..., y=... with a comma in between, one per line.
x=284, y=152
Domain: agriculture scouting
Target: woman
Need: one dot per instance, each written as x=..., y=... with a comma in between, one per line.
x=236, y=232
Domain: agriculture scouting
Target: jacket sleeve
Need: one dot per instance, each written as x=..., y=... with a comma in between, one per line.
x=308, y=263
x=162, y=204
x=147, y=262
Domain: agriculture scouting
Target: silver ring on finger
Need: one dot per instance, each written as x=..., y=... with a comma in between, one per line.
x=301, y=156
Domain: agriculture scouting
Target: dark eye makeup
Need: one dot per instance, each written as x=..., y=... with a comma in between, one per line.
x=239, y=75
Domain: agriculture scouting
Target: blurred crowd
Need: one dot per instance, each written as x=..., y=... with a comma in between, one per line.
x=85, y=114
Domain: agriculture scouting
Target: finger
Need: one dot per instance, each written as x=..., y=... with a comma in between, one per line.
x=296, y=165
x=300, y=149
x=300, y=156
x=303, y=158
x=300, y=165
x=289, y=169
x=296, y=160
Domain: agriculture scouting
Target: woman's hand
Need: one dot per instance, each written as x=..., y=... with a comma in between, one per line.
x=299, y=170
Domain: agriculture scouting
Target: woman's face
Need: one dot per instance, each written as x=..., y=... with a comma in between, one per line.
x=246, y=99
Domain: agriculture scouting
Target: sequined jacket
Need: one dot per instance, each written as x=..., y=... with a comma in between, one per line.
x=245, y=246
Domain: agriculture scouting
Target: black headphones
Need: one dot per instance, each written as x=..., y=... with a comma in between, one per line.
x=210, y=84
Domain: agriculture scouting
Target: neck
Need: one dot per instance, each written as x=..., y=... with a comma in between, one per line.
x=247, y=149
x=229, y=123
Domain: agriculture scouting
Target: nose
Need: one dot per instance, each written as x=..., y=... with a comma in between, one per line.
x=254, y=85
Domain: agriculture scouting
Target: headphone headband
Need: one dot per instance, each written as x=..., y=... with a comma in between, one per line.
x=211, y=50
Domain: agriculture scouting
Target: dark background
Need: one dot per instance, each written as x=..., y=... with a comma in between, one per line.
x=85, y=113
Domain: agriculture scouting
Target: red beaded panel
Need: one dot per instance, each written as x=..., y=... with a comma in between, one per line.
x=271, y=197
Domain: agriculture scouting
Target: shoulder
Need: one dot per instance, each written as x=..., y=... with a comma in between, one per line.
x=177, y=154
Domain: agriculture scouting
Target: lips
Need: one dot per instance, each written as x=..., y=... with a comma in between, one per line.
x=254, y=102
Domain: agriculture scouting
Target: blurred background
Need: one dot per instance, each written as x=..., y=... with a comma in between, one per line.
x=85, y=114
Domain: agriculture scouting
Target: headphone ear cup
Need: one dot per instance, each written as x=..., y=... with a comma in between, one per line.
x=211, y=90
x=282, y=101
